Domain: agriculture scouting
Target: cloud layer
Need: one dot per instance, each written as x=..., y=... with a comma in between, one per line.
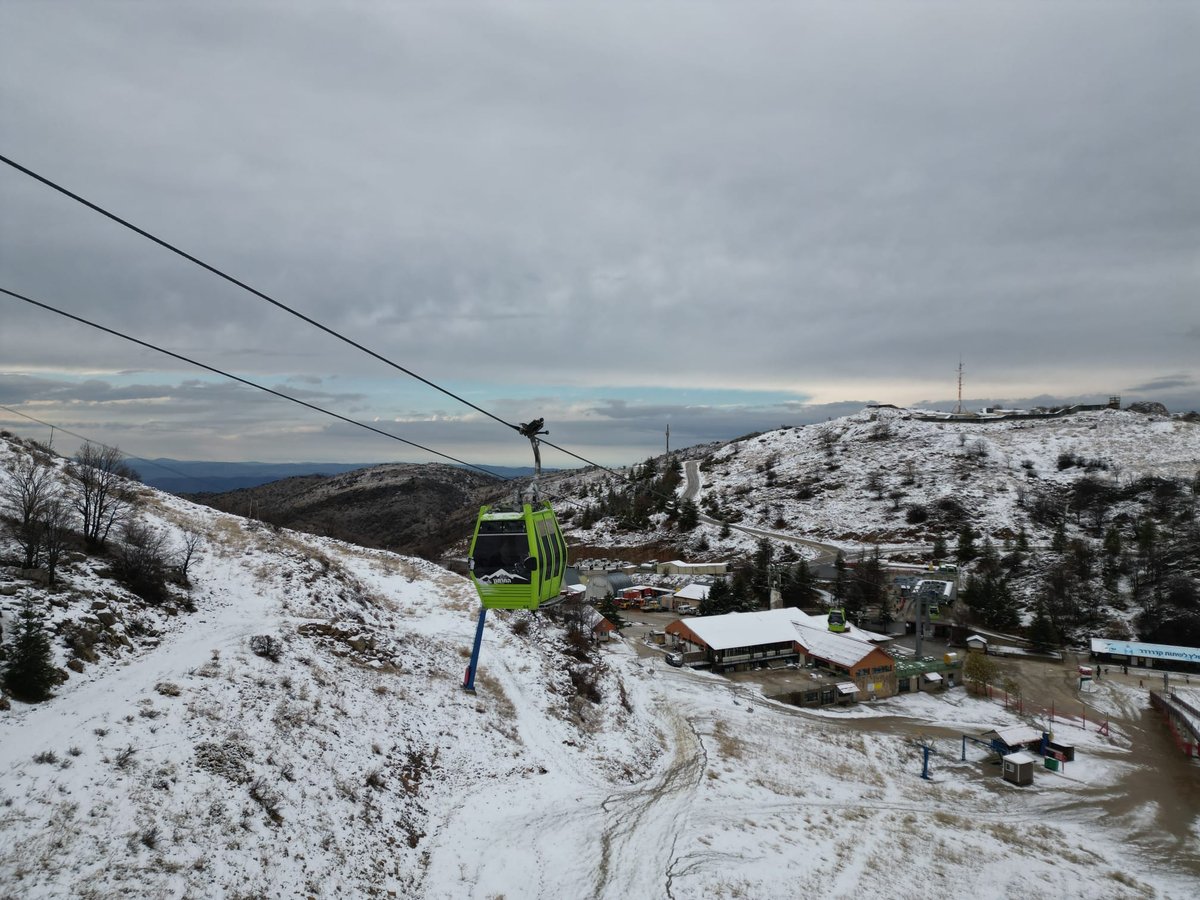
x=608, y=208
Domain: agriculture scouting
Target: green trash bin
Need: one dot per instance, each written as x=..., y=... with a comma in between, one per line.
x=1051, y=763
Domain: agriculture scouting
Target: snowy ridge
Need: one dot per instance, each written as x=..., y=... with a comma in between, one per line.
x=851, y=481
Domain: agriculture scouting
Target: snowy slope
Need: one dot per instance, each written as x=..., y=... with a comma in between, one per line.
x=184, y=765
x=818, y=479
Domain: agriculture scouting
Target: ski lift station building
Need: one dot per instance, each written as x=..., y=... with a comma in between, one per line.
x=778, y=637
x=1142, y=655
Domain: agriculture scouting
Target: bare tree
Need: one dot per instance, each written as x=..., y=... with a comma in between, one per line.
x=101, y=490
x=32, y=488
x=192, y=539
x=56, y=532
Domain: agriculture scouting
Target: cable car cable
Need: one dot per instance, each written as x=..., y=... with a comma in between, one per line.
x=247, y=382
x=291, y=310
x=257, y=293
x=280, y=305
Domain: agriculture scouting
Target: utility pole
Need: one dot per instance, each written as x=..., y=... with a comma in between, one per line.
x=920, y=624
x=958, y=409
x=668, y=439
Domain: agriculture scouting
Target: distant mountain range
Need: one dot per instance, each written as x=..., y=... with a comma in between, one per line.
x=180, y=476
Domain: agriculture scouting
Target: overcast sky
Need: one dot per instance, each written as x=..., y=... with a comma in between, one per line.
x=719, y=216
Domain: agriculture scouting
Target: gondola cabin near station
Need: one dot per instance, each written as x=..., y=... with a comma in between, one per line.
x=517, y=559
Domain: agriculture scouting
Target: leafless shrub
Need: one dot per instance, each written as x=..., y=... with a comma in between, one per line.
x=149, y=837
x=124, y=758
x=289, y=715
x=140, y=561
x=266, y=646
x=268, y=798
x=376, y=780
x=48, y=757
x=168, y=689
x=228, y=759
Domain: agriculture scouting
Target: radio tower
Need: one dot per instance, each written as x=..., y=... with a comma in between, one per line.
x=958, y=409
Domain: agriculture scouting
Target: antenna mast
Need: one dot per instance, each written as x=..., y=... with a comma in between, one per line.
x=668, y=439
x=958, y=409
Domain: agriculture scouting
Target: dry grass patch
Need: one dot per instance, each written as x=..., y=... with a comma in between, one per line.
x=727, y=745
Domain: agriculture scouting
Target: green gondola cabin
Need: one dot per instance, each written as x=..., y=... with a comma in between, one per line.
x=517, y=559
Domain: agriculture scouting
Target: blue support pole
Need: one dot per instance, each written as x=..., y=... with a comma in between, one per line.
x=469, y=678
x=925, y=765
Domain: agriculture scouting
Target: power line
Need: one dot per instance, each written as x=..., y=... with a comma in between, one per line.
x=283, y=306
x=273, y=392
x=257, y=293
x=245, y=381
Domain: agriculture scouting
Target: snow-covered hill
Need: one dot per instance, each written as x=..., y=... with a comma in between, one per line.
x=181, y=763
x=854, y=481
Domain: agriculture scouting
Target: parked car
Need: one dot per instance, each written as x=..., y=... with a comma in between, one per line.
x=675, y=659
x=686, y=609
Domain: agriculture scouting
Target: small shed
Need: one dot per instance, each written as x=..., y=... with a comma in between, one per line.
x=977, y=644
x=847, y=691
x=1018, y=768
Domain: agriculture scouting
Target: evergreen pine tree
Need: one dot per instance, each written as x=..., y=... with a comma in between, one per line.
x=689, y=515
x=29, y=671
x=798, y=589
x=609, y=609
x=1058, y=543
x=840, y=581
x=1042, y=634
x=966, y=544
x=939, y=548
x=717, y=601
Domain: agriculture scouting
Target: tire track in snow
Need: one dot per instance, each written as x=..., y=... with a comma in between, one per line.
x=641, y=824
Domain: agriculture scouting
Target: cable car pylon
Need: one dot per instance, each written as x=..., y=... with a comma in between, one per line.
x=517, y=558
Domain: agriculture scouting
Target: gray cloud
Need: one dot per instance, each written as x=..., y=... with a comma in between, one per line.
x=834, y=200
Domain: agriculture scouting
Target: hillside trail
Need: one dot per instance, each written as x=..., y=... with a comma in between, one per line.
x=643, y=823
x=227, y=613
x=825, y=554
x=567, y=829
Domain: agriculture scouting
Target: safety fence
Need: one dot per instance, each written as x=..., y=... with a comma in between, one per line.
x=1077, y=714
x=1182, y=718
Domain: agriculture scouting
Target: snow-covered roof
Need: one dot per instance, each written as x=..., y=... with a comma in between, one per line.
x=933, y=676
x=1016, y=735
x=1020, y=758
x=773, y=626
x=836, y=648
x=935, y=586
x=768, y=626
x=1149, y=651
x=847, y=687
x=694, y=592
x=861, y=634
